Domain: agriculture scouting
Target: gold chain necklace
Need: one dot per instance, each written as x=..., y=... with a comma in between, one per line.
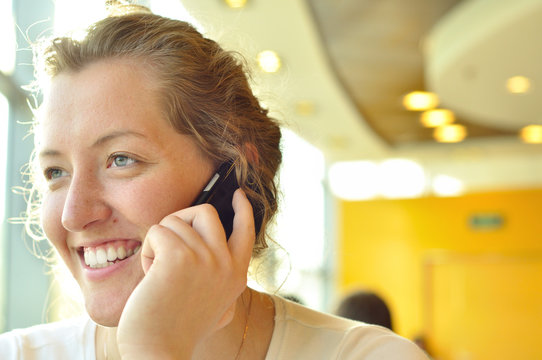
x=246, y=327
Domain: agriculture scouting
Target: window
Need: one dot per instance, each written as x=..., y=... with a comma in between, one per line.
x=90, y=11
x=4, y=120
x=7, y=38
x=301, y=222
x=7, y=64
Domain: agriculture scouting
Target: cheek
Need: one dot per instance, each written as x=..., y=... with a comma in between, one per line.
x=51, y=216
x=147, y=202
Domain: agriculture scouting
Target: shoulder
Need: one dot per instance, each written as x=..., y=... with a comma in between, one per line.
x=303, y=333
x=46, y=340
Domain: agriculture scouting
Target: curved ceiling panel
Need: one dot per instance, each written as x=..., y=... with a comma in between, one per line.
x=375, y=50
x=473, y=52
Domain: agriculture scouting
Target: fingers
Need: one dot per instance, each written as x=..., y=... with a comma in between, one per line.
x=162, y=243
x=182, y=238
x=197, y=231
x=202, y=218
x=242, y=238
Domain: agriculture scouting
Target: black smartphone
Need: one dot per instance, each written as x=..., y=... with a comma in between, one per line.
x=219, y=193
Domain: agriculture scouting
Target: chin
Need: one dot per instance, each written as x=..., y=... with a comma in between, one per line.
x=105, y=314
x=106, y=298
x=105, y=307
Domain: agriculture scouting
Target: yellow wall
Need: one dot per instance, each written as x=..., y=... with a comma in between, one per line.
x=421, y=254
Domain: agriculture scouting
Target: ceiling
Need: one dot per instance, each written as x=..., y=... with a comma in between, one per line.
x=348, y=63
x=375, y=48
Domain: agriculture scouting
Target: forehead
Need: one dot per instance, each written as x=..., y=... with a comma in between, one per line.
x=105, y=95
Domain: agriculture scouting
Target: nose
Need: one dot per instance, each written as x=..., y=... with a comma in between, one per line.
x=84, y=205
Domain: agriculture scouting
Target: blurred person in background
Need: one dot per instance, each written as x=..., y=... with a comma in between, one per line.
x=367, y=307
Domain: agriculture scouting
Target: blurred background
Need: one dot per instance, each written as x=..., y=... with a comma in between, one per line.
x=412, y=166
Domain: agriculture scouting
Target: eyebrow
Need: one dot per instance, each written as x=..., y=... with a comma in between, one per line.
x=99, y=142
x=116, y=134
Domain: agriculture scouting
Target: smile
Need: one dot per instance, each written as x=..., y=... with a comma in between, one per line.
x=107, y=255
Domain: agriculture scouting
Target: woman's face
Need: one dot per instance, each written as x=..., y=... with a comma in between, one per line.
x=114, y=166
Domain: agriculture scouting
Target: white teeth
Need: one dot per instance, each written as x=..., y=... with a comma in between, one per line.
x=101, y=257
x=90, y=258
x=111, y=253
x=121, y=252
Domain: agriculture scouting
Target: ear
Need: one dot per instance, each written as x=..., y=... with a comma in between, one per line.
x=251, y=153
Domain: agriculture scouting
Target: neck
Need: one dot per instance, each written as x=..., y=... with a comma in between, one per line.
x=231, y=339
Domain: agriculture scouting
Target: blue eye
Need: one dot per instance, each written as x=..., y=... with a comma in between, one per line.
x=121, y=161
x=53, y=173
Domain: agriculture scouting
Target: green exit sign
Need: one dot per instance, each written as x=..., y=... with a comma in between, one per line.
x=486, y=221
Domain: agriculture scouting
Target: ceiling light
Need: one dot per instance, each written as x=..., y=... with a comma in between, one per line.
x=518, y=84
x=437, y=117
x=354, y=180
x=236, y=4
x=401, y=178
x=364, y=180
x=445, y=185
x=531, y=134
x=304, y=107
x=420, y=100
x=269, y=61
x=450, y=133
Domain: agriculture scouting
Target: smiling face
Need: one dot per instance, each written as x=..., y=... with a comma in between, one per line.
x=114, y=166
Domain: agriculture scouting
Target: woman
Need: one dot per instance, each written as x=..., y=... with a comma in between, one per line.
x=135, y=120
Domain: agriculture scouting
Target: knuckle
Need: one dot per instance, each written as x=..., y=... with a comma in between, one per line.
x=168, y=219
x=154, y=230
x=208, y=209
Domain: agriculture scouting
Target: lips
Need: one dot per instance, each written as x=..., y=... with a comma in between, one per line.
x=104, y=255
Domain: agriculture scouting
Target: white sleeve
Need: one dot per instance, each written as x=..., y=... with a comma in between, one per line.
x=68, y=339
x=9, y=346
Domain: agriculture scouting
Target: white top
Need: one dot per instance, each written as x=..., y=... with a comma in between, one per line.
x=67, y=339
x=300, y=333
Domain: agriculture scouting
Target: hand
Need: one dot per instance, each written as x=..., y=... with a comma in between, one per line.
x=193, y=277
